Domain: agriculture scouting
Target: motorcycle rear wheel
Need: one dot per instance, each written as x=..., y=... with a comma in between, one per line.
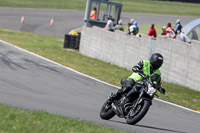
x=136, y=115
x=107, y=111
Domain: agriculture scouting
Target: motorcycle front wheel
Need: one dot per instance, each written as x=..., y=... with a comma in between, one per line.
x=135, y=115
x=107, y=111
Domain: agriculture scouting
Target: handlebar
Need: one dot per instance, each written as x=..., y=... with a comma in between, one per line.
x=157, y=96
x=147, y=78
x=144, y=76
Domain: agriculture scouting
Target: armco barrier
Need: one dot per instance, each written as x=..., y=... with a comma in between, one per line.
x=181, y=60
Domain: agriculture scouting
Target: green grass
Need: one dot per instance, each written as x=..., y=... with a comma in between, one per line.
x=15, y=120
x=46, y=4
x=161, y=7
x=145, y=28
x=46, y=45
x=20, y=121
x=182, y=96
x=135, y=6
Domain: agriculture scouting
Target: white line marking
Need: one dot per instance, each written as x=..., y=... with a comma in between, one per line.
x=88, y=75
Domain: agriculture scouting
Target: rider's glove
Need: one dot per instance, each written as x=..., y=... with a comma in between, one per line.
x=135, y=69
x=162, y=90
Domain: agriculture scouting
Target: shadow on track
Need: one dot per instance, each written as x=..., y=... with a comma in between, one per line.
x=150, y=127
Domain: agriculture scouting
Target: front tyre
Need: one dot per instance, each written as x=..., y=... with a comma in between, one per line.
x=136, y=115
x=107, y=111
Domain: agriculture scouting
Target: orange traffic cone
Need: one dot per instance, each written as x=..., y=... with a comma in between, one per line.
x=51, y=22
x=22, y=20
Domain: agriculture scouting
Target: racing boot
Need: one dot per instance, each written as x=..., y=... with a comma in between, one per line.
x=126, y=86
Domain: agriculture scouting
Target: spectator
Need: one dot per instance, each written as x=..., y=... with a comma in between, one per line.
x=181, y=36
x=133, y=31
x=130, y=23
x=170, y=32
x=152, y=31
x=135, y=23
x=164, y=31
x=109, y=26
x=119, y=26
x=178, y=26
x=93, y=14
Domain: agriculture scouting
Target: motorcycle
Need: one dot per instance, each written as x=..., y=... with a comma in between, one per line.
x=134, y=108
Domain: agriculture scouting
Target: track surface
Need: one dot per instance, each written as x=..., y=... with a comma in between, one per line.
x=38, y=20
x=33, y=83
x=30, y=82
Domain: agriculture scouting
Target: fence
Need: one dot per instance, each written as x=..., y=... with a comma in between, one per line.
x=181, y=60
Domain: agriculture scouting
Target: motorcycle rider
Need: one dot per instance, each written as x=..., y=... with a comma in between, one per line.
x=148, y=67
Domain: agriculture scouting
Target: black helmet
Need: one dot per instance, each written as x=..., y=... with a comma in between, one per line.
x=156, y=60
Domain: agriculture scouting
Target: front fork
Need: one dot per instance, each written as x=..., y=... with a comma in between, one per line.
x=138, y=100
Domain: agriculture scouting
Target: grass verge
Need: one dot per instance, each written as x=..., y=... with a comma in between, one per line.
x=20, y=121
x=17, y=120
x=135, y=6
x=145, y=28
x=46, y=45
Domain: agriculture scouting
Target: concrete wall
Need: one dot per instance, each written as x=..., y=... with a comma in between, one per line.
x=181, y=60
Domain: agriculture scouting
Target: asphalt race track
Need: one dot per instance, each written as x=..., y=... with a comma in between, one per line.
x=38, y=20
x=32, y=82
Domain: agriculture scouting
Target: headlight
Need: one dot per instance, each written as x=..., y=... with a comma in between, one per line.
x=151, y=91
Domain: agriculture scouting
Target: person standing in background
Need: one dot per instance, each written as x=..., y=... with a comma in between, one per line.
x=93, y=14
x=152, y=32
x=119, y=26
x=164, y=31
x=178, y=26
x=130, y=23
x=182, y=37
x=170, y=32
x=136, y=25
x=109, y=26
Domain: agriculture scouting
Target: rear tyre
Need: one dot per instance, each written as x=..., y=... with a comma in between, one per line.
x=107, y=111
x=136, y=115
